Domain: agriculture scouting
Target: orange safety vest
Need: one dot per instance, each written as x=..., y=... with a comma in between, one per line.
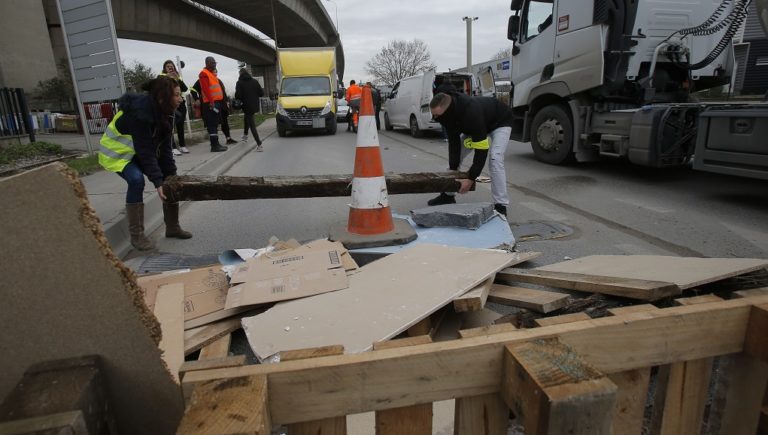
x=214, y=91
x=354, y=92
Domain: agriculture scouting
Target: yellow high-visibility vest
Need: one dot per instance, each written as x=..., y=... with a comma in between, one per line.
x=116, y=149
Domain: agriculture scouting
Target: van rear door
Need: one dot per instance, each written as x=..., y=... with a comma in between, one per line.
x=486, y=82
x=427, y=92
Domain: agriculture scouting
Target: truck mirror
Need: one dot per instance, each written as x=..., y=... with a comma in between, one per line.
x=513, y=27
x=516, y=5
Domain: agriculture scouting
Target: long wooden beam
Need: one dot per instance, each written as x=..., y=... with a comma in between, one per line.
x=350, y=384
x=209, y=188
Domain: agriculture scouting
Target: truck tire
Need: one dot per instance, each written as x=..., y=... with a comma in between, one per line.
x=331, y=127
x=552, y=135
x=281, y=132
x=387, y=125
x=415, y=132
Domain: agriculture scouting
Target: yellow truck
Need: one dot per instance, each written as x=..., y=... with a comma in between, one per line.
x=308, y=84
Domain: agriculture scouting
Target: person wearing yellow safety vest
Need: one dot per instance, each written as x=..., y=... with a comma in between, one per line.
x=475, y=124
x=169, y=69
x=212, y=97
x=137, y=143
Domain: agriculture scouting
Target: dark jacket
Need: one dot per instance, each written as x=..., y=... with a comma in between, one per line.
x=475, y=117
x=376, y=97
x=151, y=134
x=248, y=90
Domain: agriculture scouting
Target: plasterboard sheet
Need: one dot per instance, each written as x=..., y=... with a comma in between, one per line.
x=686, y=272
x=383, y=299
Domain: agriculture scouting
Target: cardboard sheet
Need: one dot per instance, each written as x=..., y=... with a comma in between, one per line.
x=383, y=299
x=305, y=271
x=684, y=271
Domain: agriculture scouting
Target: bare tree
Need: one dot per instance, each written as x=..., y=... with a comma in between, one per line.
x=504, y=53
x=399, y=59
x=137, y=75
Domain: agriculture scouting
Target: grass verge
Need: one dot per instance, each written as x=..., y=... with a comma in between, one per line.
x=16, y=152
x=85, y=165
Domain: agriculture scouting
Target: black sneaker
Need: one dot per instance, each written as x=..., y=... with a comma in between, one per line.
x=231, y=141
x=218, y=148
x=501, y=208
x=442, y=199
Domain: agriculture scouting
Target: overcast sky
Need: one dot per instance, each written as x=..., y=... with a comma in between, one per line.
x=365, y=28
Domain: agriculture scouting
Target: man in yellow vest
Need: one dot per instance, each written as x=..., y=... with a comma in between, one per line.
x=212, y=97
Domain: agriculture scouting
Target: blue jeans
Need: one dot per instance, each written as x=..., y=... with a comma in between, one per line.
x=135, y=179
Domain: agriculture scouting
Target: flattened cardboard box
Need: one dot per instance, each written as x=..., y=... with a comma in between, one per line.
x=205, y=291
x=301, y=272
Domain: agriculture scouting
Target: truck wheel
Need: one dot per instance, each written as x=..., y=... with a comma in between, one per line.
x=387, y=125
x=552, y=135
x=281, y=132
x=415, y=132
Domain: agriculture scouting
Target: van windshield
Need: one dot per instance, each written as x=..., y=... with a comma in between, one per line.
x=295, y=86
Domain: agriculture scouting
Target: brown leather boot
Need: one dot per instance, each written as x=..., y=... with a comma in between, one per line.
x=135, y=214
x=171, y=217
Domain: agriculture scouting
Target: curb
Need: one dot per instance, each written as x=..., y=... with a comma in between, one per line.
x=116, y=232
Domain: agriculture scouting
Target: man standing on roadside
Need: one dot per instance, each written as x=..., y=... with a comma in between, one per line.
x=212, y=96
x=376, y=97
x=482, y=125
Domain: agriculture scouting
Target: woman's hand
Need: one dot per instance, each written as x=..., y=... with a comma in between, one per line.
x=160, y=192
x=465, y=185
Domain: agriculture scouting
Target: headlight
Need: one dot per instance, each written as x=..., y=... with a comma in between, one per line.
x=327, y=109
x=280, y=110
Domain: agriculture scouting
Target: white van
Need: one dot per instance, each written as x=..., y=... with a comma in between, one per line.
x=408, y=104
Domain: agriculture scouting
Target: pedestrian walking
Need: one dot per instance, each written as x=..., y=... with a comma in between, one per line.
x=212, y=101
x=169, y=69
x=248, y=90
x=482, y=125
x=137, y=143
x=226, y=109
x=376, y=97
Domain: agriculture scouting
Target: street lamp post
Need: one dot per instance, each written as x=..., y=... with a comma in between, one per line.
x=336, y=10
x=469, y=21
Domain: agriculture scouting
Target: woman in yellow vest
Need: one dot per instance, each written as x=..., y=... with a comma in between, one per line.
x=138, y=143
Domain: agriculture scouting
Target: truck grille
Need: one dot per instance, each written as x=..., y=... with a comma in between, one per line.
x=296, y=114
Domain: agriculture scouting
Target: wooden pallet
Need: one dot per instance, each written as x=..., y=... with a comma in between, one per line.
x=551, y=377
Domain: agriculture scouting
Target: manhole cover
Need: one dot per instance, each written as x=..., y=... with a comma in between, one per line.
x=164, y=262
x=538, y=230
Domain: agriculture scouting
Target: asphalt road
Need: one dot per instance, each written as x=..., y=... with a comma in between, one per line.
x=607, y=207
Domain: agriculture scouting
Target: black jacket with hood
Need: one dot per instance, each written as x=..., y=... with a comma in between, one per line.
x=474, y=117
x=152, y=136
x=248, y=90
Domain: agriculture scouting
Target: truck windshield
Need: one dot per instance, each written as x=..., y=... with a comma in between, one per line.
x=294, y=86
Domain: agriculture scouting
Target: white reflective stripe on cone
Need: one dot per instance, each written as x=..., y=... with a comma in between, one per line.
x=369, y=192
x=367, y=135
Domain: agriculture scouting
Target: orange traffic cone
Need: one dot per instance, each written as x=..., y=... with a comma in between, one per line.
x=370, y=218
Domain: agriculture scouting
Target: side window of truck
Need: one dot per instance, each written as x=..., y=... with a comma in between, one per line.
x=537, y=16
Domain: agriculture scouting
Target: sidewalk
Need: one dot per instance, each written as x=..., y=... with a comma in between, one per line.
x=106, y=190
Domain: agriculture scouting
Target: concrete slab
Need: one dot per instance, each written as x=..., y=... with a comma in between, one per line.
x=470, y=216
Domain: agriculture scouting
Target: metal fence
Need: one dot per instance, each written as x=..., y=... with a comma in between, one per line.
x=14, y=115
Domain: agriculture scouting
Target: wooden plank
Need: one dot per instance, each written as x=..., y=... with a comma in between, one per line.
x=685, y=272
x=565, y=318
x=214, y=363
x=228, y=407
x=209, y=188
x=703, y=299
x=474, y=300
x=630, y=400
x=537, y=300
x=554, y=391
x=756, y=341
x=624, y=287
x=686, y=396
x=380, y=302
x=481, y=415
x=312, y=389
x=762, y=291
x=315, y=352
x=736, y=402
x=402, y=342
x=487, y=330
x=169, y=310
x=324, y=426
x=620, y=311
x=422, y=327
x=197, y=338
x=478, y=319
x=217, y=349
x=405, y=420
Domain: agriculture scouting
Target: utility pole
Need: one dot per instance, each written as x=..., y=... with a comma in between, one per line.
x=469, y=21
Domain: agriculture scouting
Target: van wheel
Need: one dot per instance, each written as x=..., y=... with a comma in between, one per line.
x=281, y=132
x=387, y=125
x=331, y=127
x=415, y=132
x=552, y=135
